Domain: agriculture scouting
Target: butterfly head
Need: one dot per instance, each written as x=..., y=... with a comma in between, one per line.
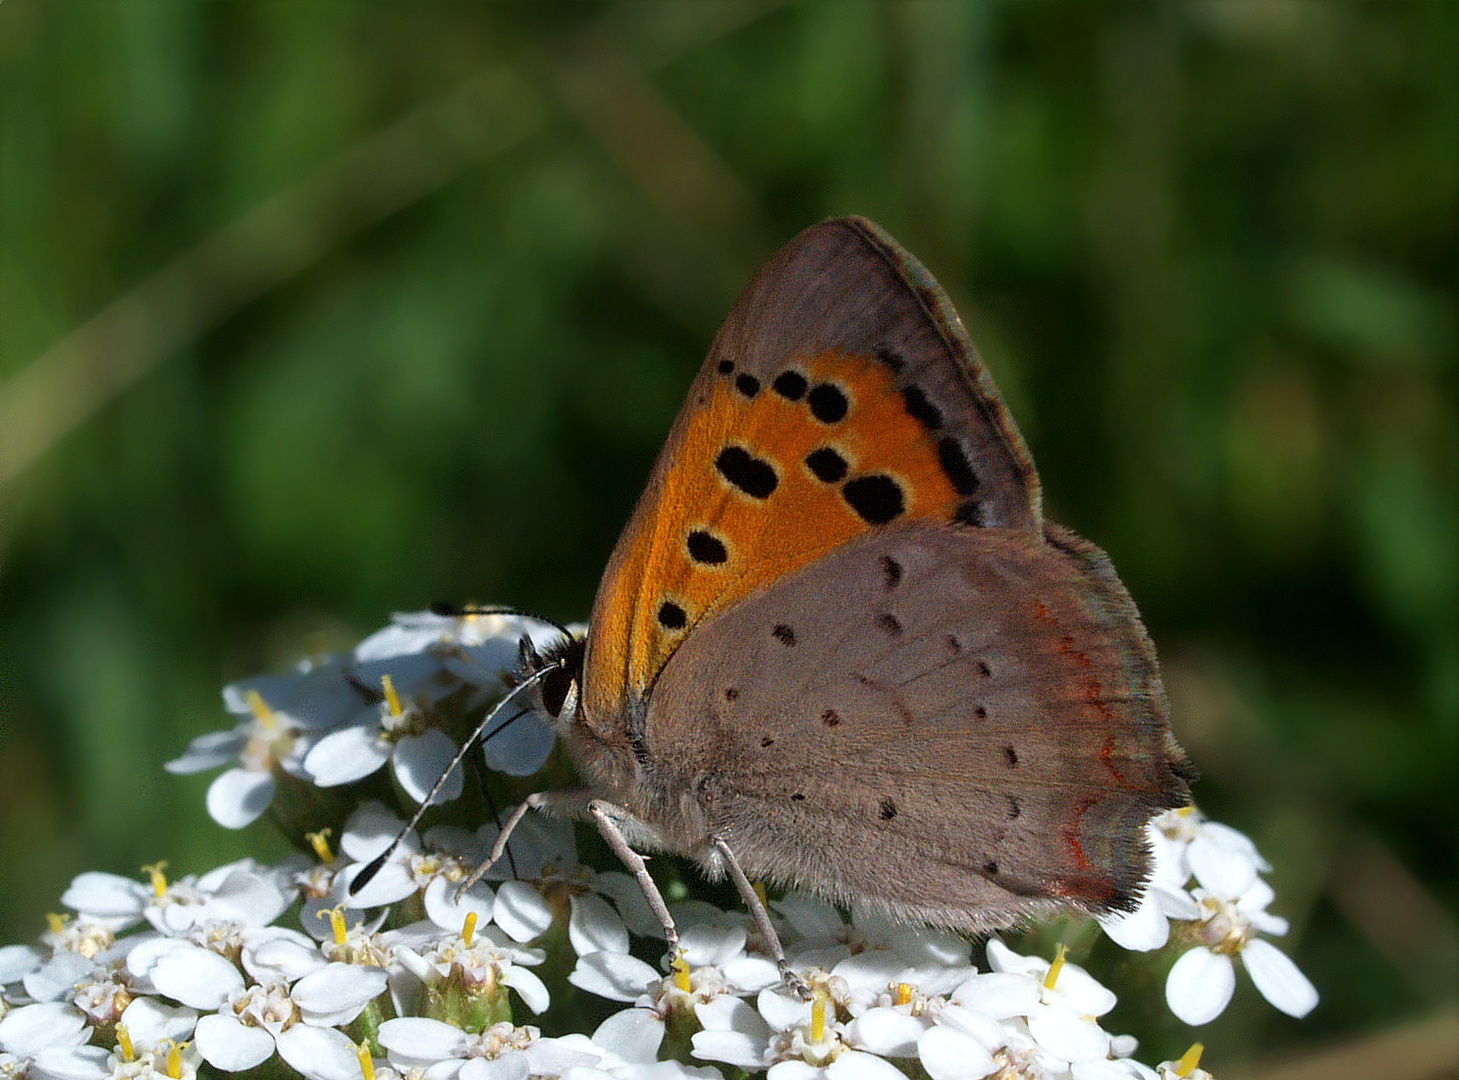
x=559, y=668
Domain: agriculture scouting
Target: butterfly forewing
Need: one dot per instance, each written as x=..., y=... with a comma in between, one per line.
x=841, y=395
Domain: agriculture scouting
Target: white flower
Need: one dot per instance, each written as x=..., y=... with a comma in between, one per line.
x=299, y=1022
x=393, y=731
x=501, y=1052
x=1201, y=983
x=235, y=893
x=281, y=717
x=431, y=656
x=411, y=867
x=798, y=1040
x=713, y=964
x=1187, y=844
x=480, y=960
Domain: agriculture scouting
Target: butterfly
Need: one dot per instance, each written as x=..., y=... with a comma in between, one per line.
x=838, y=647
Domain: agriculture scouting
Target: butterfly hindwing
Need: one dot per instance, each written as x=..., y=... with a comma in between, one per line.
x=976, y=713
x=841, y=395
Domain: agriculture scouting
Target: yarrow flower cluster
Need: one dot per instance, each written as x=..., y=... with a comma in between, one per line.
x=282, y=968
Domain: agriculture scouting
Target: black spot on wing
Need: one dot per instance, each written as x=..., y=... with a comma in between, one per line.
x=706, y=549
x=891, y=358
x=784, y=634
x=889, y=625
x=790, y=385
x=971, y=512
x=877, y=499
x=922, y=410
x=888, y=809
x=891, y=571
x=747, y=384
x=726, y=366
x=826, y=465
x=754, y=476
x=828, y=403
x=672, y=616
x=956, y=466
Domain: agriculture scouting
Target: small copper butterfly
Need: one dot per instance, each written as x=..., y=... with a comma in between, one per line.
x=839, y=647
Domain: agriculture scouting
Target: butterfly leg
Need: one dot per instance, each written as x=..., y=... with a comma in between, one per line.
x=762, y=919
x=565, y=803
x=607, y=817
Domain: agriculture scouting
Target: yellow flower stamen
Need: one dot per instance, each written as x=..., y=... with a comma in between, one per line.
x=680, y=969
x=57, y=923
x=174, y=1060
x=392, y=699
x=159, y=879
x=1056, y=967
x=124, y=1043
x=319, y=841
x=260, y=709
x=818, y=1015
x=1190, y=1060
x=337, y=925
x=468, y=928
x=902, y=994
x=367, y=1062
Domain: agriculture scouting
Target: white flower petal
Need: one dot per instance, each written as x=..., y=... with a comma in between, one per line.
x=781, y=1010
x=521, y=911
x=420, y=1038
x=731, y=1047
x=31, y=1028
x=275, y=952
x=617, y=977
x=392, y=882
x=370, y=830
x=58, y=976
x=531, y=989
x=633, y=1034
x=335, y=994
x=1280, y=980
x=448, y=910
x=230, y=1045
x=319, y=1053
x=980, y=1027
x=1224, y=865
x=1200, y=986
x=999, y=994
x=885, y=1031
x=347, y=755
x=1067, y=1034
x=208, y=752
x=595, y=927
x=17, y=961
x=239, y=797
x=70, y=1063
x=105, y=895
x=521, y=749
x=196, y=977
x=1142, y=930
x=856, y=1065
x=947, y=1054
x=151, y=1022
x=419, y=762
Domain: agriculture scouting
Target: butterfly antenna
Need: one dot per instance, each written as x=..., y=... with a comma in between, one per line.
x=457, y=611
x=374, y=866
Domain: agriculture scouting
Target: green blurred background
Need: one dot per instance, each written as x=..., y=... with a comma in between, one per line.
x=317, y=310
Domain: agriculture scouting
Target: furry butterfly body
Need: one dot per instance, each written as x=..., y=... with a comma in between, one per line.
x=839, y=647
